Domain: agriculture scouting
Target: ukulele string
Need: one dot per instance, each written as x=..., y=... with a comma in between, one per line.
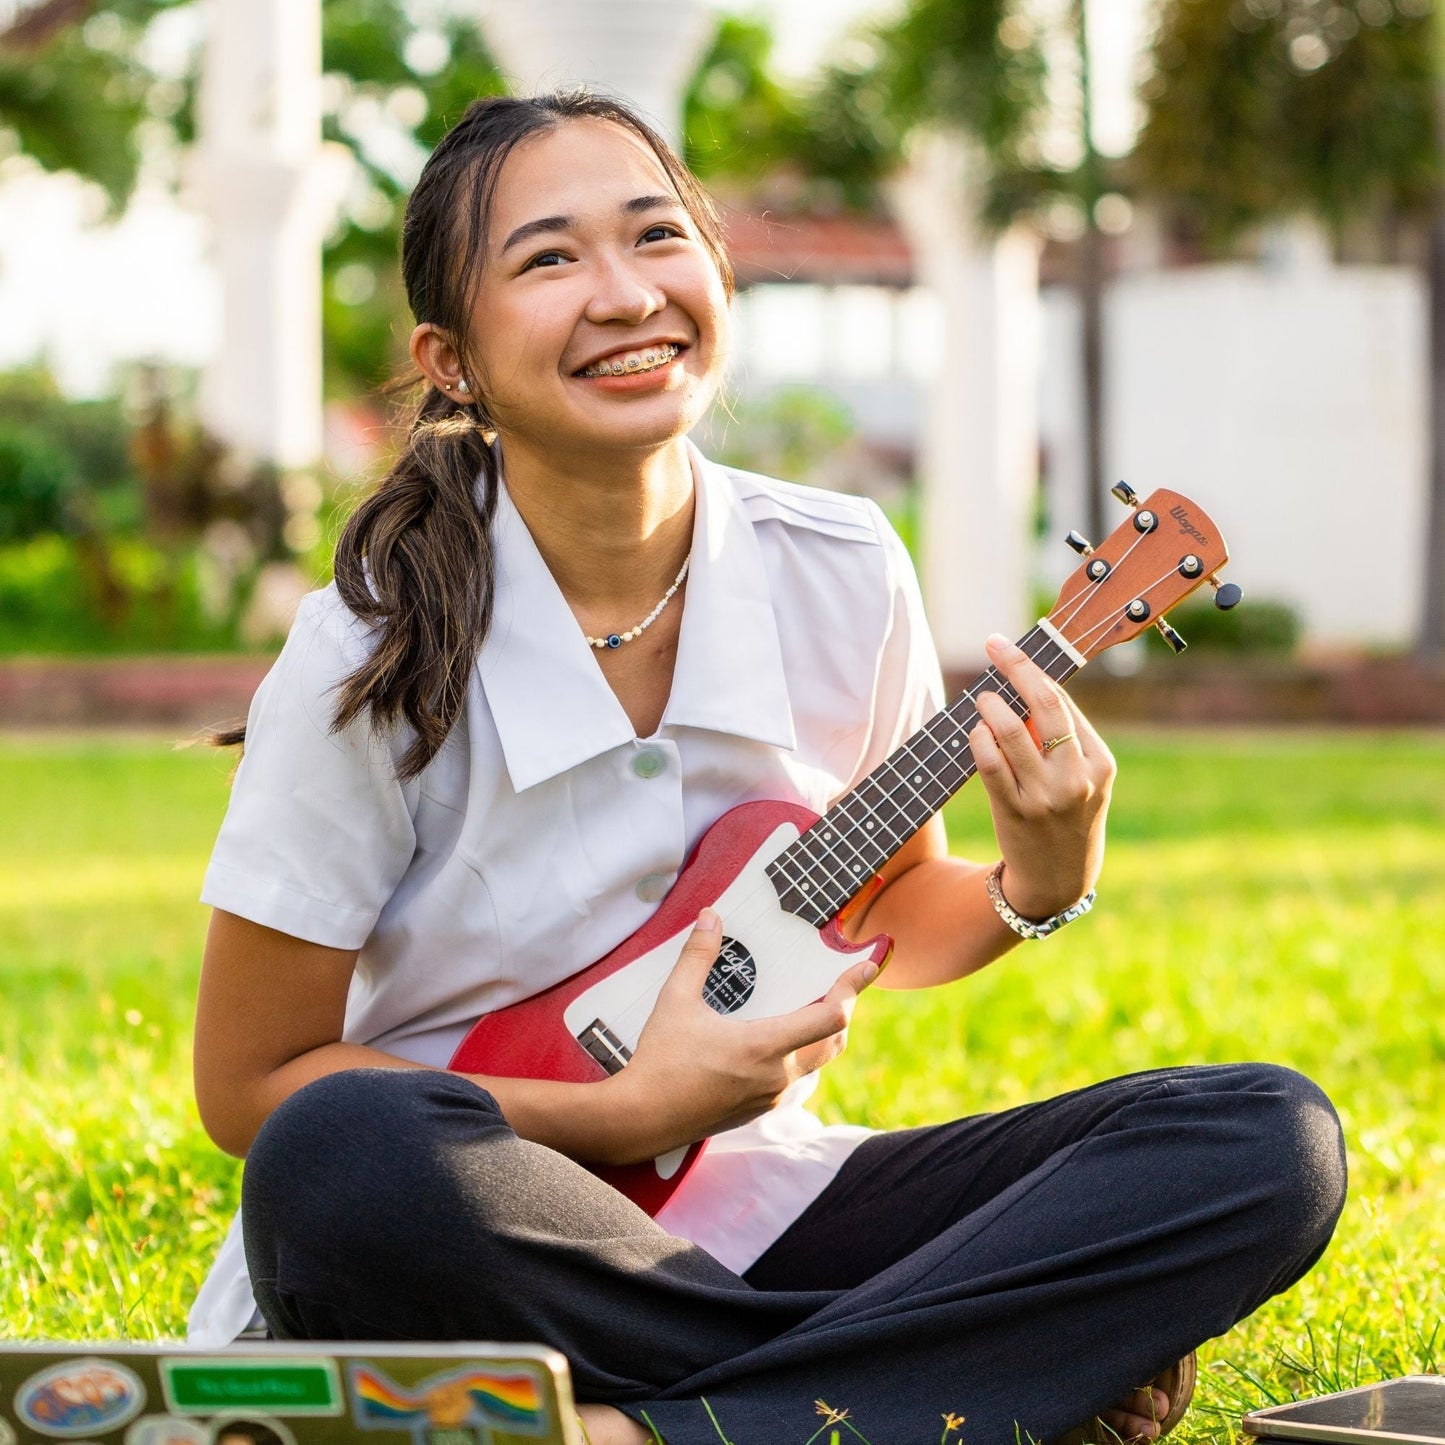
x=838, y=875
x=1082, y=598
x=1109, y=622
x=629, y=1020
x=632, y=1012
x=836, y=871
x=831, y=861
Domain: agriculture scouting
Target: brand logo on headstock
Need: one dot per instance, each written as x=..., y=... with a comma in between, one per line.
x=1181, y=515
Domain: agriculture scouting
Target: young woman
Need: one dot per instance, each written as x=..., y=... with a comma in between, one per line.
x=560, y=645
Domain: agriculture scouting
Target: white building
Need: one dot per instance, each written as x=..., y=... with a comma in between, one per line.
x=1289, y=400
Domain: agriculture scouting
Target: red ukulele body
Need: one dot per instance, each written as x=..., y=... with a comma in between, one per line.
x=585, y=1028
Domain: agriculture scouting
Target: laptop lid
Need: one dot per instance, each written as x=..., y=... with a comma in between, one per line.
x=1410, y=1410
x=286, y=1393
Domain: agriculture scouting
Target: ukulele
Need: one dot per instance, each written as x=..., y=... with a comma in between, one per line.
x=779, y=875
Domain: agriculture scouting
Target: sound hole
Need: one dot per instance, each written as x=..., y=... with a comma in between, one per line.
x=731, y=979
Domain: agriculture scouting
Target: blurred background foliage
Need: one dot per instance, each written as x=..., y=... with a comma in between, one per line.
x=1257, y=108
x=121, y=526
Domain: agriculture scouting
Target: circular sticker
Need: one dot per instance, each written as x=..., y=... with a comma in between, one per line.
x=167, y=1430
x=77, y=1398
x=250, y=1430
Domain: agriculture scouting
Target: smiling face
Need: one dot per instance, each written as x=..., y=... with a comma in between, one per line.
x=599, y=320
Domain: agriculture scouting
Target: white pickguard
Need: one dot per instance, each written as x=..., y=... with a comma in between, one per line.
x=794, y=965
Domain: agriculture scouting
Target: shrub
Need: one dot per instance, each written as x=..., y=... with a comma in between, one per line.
x=36, y=483
x=77, y=595
x=1259, y=626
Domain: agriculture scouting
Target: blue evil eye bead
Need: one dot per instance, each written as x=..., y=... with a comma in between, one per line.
x=613, y=640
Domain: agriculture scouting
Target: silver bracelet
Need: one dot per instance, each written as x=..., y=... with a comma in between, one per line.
x=1025, y=927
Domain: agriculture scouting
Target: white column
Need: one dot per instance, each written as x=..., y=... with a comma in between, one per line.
x=645, y=50
x=270, y=190
x=979, y=454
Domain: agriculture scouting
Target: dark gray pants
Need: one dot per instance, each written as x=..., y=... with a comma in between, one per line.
x=1024, y=1269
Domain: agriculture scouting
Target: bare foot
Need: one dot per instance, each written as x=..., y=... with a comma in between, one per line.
x=602, y=1425
x=1138, y=1416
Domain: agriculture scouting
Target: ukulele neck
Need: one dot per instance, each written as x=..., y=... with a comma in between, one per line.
x=819, y=874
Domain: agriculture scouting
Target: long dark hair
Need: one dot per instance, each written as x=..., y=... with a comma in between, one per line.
x=415, y=558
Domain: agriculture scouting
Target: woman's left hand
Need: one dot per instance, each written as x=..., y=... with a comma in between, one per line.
x=1048, y=807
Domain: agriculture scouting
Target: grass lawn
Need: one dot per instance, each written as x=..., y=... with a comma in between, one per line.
x=1267, y=896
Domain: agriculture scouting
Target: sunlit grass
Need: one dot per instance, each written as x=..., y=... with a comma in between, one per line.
x=1276, y=897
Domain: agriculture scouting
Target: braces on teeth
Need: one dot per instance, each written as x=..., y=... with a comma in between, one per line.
x=634, y=361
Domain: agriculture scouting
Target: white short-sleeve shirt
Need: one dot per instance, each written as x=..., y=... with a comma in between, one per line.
x=545, y=832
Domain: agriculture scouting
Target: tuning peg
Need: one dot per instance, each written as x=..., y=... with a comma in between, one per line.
x=1171, y=636
x=1080, y=544
x=1226, y=595
x=1125, y=493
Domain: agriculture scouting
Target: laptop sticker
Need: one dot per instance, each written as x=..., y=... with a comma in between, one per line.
x=288, y=1386
x=460, y=1407
x=77, y=1398
x=167, y=1430
x=250, y=1430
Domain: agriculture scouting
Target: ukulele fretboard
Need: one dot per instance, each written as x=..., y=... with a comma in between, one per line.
x=816, y=876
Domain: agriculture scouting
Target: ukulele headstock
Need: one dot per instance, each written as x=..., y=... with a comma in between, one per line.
x=1164, y=550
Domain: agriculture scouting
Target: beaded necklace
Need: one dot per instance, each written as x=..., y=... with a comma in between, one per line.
x=616, y=639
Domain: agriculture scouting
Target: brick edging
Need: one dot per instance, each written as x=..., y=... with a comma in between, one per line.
x=127, y=692
x=201, y=691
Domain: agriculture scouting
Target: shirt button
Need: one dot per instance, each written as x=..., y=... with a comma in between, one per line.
x=648, y=763
x=653, y=888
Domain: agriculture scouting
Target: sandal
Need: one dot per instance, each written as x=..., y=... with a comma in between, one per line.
x=1177, y=1382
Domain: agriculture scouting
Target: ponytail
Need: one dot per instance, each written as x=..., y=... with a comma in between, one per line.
x=415, y=562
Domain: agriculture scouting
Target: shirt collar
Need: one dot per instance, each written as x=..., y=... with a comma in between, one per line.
x=551, y=705
x=729, y=675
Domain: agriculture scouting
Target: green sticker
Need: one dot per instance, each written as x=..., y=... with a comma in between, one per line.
x=280, y=1387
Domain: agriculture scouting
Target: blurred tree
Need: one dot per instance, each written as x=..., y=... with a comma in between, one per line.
x=73, y=93
x=393, y=87
x=739, y=124
x=1261, y=109
x=76, y=94
x=980, y=70
x=976, y=70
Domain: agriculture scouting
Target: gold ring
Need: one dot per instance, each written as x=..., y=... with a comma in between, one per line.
x=1049, y=744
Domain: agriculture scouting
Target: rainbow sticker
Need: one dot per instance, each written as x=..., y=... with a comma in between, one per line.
x=457, y=1400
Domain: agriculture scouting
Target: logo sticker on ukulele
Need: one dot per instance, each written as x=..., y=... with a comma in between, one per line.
x=731, y=980
x=77, y=1398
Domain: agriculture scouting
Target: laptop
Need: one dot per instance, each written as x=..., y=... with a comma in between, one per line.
x=285, y=1393
x=1410, y=1410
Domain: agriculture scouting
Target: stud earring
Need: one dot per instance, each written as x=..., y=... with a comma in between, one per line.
x=463, y=387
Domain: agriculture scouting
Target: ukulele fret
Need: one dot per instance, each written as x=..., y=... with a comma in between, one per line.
x=605, y=1046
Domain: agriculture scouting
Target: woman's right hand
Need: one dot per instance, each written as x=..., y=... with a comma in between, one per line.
x=695, y=1072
